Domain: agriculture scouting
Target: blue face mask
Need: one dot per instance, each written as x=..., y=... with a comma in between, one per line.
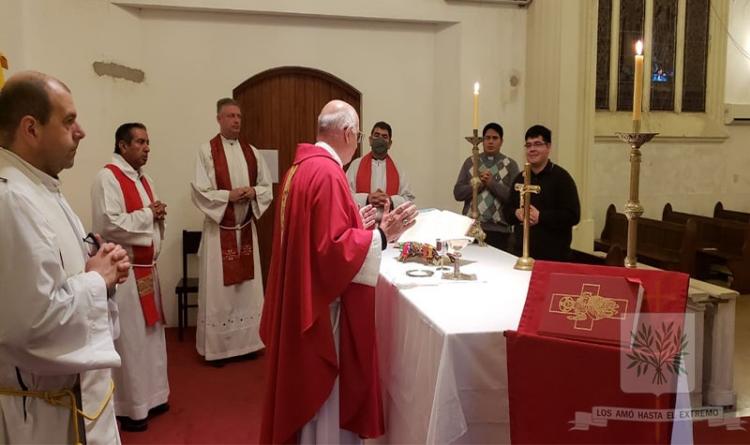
x=379, y=146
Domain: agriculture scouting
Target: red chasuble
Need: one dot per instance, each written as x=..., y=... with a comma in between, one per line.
x=142, y=255
x=364, y=176
x=237, y=264
x=319, y=246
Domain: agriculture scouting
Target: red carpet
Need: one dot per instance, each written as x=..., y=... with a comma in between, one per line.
x=223, y=405
x=207, y=405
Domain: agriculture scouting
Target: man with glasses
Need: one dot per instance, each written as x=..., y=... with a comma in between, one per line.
x=232, y=187
x=126, y=209
x=374, y=178
x=496, y=172
x=57, y=326
x=554, y=211
x=322, y=384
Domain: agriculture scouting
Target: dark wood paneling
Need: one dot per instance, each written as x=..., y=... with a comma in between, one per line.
x=279, y=110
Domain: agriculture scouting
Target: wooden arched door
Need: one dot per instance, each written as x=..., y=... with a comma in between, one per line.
x=280, y=109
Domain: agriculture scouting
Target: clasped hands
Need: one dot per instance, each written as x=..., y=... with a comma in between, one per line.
x=533, y=215
x=110, y=261
x=159, y=209
x=242, y=194
x=378, y=198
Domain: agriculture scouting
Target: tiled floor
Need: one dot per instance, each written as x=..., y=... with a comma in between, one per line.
x=742, y=355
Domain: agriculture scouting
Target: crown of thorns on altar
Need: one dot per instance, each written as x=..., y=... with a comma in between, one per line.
x=412, y=249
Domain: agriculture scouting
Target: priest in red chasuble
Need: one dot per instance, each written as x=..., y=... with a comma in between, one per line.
x=318, y=319
x=374, y=178
x=232, y=187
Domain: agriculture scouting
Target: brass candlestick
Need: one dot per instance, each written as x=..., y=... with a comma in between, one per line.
x=525, y=262
x=476, y=229
x=633, y=208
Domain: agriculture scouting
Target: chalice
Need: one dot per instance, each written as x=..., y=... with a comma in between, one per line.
x=454, y=252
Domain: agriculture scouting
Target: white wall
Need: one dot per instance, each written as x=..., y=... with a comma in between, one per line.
x=414, y=62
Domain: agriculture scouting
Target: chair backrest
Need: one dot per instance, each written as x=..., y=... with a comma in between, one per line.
x=191, y=241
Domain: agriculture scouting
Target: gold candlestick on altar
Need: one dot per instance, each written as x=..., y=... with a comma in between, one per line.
x=3, y=66
x=525, y=262
x=476, y=229
x=633, y=208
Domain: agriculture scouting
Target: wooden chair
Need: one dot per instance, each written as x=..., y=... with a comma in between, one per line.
x=191, y=240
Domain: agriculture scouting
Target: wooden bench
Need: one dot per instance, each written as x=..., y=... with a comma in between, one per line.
x=722, y=213
x=719, y=242
x=665, y=245
x=615, y=256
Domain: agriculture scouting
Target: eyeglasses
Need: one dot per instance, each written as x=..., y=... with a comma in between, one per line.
x=535, y=144
x=93, y=244
x=360, y=135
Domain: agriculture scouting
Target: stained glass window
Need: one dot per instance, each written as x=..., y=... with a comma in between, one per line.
x=696, y=55
x=631, y=30
x=604, y=33
x=663, y=55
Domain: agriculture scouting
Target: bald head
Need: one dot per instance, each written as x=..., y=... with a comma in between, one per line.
x=26, y=94
x=336, y=116
x=338, y=126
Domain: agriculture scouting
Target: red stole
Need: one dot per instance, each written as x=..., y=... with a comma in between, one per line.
x=316, y=255
x=238, y=266
x=142, y=255
x=364, y=176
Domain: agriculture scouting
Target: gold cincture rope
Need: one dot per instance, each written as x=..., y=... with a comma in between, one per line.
x=67, y=399
x=284, y=196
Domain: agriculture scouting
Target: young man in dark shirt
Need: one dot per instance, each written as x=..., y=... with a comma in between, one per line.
x=554, y=211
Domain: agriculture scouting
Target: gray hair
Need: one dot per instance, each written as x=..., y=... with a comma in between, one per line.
x=221, y=103
x=344, y=117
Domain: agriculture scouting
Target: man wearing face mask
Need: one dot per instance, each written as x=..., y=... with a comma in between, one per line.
x=374, y=178
x=496, y=173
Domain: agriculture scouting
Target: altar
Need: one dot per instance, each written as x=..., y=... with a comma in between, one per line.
x=443, y=354
x=442, y=349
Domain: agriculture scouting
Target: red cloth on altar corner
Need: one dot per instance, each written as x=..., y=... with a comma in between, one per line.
x=552, y=380
x=322, y=248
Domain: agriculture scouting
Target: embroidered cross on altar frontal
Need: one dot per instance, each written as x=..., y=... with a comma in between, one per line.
x=588, y=307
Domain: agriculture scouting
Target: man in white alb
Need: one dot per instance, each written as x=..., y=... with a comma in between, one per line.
x=126, y=210
x=232, y=187
x=57, y=326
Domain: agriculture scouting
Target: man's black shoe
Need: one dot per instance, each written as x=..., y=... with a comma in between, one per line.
x=218, y=363
x=133, y=426
x=161, y=409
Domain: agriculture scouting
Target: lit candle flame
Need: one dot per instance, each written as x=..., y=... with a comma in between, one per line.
x=639, y=47
x=476, y=87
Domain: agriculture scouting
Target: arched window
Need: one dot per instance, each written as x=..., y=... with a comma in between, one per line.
x=675, y=31
x=685, y=49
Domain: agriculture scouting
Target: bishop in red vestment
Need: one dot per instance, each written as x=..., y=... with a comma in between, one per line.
x=318, y=318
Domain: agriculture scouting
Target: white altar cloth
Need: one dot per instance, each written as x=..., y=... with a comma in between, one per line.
x=442, y=349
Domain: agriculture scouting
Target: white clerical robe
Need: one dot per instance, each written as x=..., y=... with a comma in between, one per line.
x=228, y=316
x=141, y=382
x=56, y=323
x=324, y=427
x=378, y=180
